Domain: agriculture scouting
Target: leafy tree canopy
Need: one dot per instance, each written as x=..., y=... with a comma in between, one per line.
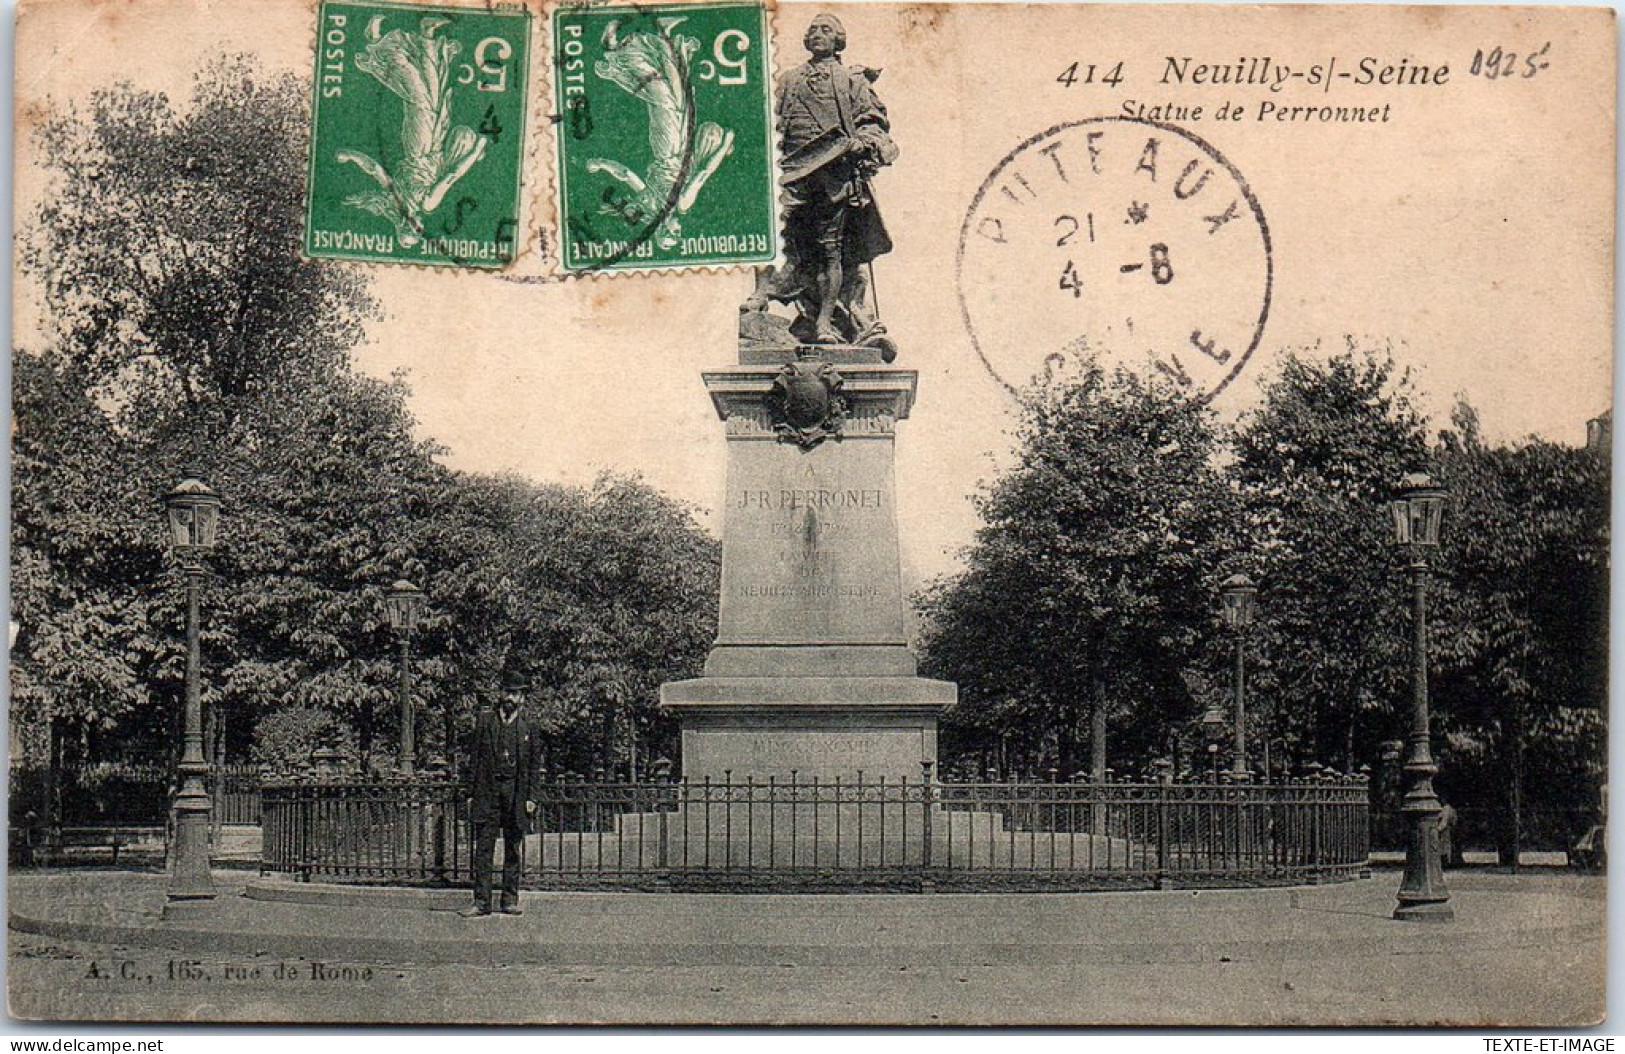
x=1316, y=465
x=184, y=329
x=1093, y=580
x=1091, y=573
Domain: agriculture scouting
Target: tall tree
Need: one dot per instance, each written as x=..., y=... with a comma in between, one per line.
x=82, y=531
x=167, y=253
x=1089, y=586
x=596, y=594
x=185, y=328
x=641, y=581
x=182, y=324
x=1522, y=652
x=1316, y=465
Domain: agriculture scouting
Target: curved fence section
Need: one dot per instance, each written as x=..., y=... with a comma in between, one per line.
x=811, y=834
x=401, y=832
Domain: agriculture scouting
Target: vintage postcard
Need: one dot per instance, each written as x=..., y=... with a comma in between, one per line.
x=1101, y=511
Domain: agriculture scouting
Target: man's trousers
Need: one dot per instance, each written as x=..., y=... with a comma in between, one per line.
x=513, y=854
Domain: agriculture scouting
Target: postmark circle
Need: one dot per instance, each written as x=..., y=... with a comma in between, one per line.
x=1133, y=240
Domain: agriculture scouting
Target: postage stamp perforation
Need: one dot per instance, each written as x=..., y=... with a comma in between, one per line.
x=547, y=125
x=539, y=261
x=775, y=141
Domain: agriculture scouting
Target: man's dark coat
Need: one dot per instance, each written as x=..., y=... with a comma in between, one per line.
x=525, y=746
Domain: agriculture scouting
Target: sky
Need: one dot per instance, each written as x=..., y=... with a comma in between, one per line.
x=1472, y=232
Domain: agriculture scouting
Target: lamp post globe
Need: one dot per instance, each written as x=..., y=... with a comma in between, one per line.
x=1417, y=512
x=1240, y=603
x=194, y=515
x=1240, y=595
x=404, y=604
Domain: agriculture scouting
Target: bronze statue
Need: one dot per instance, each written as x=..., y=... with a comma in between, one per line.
x=835, y=137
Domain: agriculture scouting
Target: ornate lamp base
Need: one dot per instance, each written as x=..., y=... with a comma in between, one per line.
x=191, y=883
x=1423, y=896
x=1425, y=911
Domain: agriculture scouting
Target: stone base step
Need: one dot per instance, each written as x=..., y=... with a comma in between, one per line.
x=965, y=849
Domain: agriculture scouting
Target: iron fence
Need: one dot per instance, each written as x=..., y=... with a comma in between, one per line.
x=99, y=794
x=835, y=834
x=396, y=832
x=126, y=794
x=236, y=794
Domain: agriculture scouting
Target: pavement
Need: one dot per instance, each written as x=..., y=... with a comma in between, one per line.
x=1526, y=949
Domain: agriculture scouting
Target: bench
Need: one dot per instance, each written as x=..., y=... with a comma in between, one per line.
x=115, y=839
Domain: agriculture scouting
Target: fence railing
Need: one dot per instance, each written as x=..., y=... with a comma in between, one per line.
x=776, y=834
x=123, y=794
x=237, y=794
x=107, y=794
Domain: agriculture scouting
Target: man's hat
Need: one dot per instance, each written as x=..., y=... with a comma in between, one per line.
x=515, y=682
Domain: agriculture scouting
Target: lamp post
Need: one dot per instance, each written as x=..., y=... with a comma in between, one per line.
x=1422, y=893
x=1240, y=602
x=194, y=513
x=404, y=602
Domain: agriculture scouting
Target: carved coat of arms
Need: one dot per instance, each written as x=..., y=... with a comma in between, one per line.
x=805, y=403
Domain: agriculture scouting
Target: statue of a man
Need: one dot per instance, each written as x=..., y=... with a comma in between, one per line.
x=835, y=138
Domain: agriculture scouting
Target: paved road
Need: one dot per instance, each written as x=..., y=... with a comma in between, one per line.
x=1524, y=949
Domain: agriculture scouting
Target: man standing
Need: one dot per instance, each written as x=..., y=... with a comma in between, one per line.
x=835, y=138
x=507, y=773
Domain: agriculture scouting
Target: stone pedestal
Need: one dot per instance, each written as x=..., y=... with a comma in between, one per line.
x=811, y=672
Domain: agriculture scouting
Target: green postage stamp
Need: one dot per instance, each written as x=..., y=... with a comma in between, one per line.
x=664, y=135
x=418, y=128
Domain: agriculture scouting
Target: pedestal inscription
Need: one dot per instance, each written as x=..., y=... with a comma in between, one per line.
x=811, y=673
x=800, y=559
x=808, y=754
